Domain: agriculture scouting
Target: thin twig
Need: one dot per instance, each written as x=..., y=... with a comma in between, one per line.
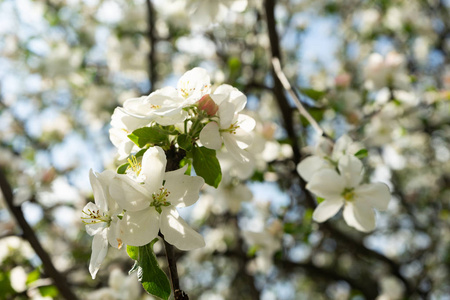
x=287, y=86
x=286, y=111
x=28, y=233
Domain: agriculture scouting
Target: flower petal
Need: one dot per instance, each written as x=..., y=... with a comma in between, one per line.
x=310, y=165
x=210, y=136
x=226, y=114
x=176, y=116
x=129, y=194
x=184, y=190
x=326, y=183
x=233, y=148
x=177, y=232
x=194, y=84
x=376, y=195
x=153, y=168
x=99, y=194
x=139, y=227
x=351, y=169
x=99, y=251
x=341, y=147
x=93, y=227
x=360, y=216
x=114, y=234
x=327, y=209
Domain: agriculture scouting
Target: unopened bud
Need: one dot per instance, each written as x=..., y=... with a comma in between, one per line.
x=342, y=80
x=207, y=104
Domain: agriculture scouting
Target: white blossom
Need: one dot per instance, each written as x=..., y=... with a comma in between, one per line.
x=344, y=189
x=326, y=155
x=232, y=128
x=101, y=219
x=150, y=197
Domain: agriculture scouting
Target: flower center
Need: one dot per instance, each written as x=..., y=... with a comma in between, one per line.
x=186, y=90
x=348, y=194
x=134, y=169
x=160, y=199
x=94, y=217
x=232, y=129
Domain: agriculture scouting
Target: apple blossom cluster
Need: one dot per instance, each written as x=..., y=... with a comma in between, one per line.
x=161, y=137
x=334, y=174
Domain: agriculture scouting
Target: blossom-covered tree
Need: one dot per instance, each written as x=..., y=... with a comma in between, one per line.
x=232, y=149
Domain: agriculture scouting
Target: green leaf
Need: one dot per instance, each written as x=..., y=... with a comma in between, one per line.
x=319, y=199
x=185, y=142
x=153, y=279
x=33, y=276
x=207, y=165
x=141, y=152
x=361, y=153
x=123, y=168
x=6, y=289
x=133, y=252
x=149, y=135
x=313, y=94
x=48, y=291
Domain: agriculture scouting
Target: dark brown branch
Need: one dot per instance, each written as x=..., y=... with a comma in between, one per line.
x=173, y=271
x=174, y=156
x=286, y=110
x=152, y=74
x=58, y=279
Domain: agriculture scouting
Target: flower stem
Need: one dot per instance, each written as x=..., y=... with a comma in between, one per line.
x=173, y=272
x=174, y=156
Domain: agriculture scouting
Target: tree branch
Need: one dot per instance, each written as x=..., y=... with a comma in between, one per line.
x=286, y=111
x=58, y=279
x=152, y=74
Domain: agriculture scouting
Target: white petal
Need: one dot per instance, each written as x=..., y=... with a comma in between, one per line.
x=232, y=95
x=236, y=152
x=210, y=136
x=137, y=106
x=359, y=216
x=327, y=209
x=95, y=228
x=308, y=166
x=341, y=147
x=194, y=84
x=184, y=190
x=99, y=195
x=246, y=122
x=114, y=233
x=173, y=118
x=129, y=194
x=177, y=232
x=99, y=251
x=376, y=195
x=153, y=168
x=351, y=169
x=243, y=138
x=92, y=227
x=139, y=227
x=326, y=183
x=226, y=114
x=124, y=121
x=105, y=178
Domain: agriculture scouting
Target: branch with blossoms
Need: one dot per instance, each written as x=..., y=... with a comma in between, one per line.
x=163, y=137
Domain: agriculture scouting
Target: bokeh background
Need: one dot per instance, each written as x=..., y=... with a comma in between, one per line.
x=376, y=70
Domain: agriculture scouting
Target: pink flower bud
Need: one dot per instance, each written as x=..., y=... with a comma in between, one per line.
x=343, y=80
x=207, y=104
